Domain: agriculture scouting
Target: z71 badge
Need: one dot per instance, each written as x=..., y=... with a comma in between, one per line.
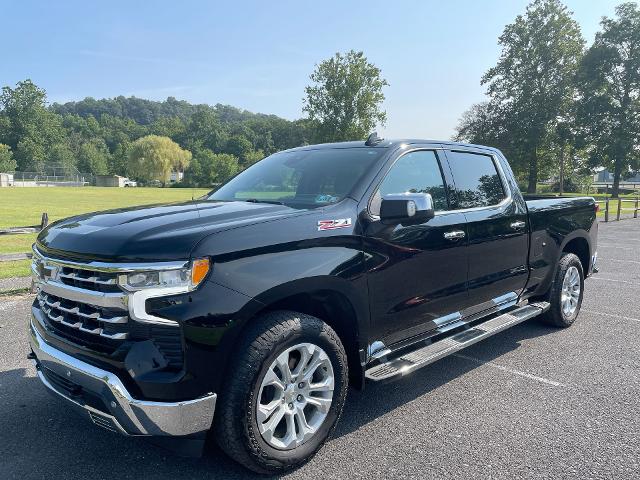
x=333, y=224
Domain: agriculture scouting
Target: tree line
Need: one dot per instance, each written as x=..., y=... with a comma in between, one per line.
x=117, y=136
x=555, y=106
x=147, y=140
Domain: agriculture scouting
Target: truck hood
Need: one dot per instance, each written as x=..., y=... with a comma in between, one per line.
x=150, y=233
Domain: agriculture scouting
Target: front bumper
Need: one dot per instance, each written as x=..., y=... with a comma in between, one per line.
x=103, y=397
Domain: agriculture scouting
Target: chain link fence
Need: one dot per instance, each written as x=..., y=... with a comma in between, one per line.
x=47, y=179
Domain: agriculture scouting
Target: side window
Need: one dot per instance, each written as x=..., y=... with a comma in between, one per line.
x=415, y=172
x=476, y=178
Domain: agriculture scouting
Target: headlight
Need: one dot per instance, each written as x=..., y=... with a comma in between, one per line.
x=189, y=277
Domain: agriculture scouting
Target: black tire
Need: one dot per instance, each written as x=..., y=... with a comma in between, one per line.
x=235, y=425
x=555, y=316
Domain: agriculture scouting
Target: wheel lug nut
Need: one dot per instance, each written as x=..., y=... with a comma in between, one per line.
x=301, y=385
x=291, y=405
x=300, y=398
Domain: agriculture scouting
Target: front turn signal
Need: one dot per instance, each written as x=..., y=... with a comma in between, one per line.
x=199, y=270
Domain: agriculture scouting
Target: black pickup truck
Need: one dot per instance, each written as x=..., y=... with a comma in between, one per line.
x=247, y=313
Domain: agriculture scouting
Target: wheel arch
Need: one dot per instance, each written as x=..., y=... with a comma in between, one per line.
x=579, y=246
x=334, y=301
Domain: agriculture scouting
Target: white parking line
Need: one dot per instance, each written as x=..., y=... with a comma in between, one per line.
x=605, y=260
x=510, y=370
x=617, y=247
x=597, y=277
x=612, y=315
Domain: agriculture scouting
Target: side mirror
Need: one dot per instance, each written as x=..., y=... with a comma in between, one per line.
x=406, y=208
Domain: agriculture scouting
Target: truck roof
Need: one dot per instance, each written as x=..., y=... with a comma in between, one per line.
x=387, y=143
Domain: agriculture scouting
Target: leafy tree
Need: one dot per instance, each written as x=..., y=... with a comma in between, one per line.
x=208, y=168
x=154, y=158
x=30, y=129
x=62, y=155
x=240, y=147
x=609, y=86
x=252, y=157
x=219, y=167
x=532, y=83
x=345, y=98
x=204, y=129
x=7, y=163
x=93, y=157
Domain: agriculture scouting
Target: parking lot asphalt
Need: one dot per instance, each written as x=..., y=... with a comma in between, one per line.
x=531, y=402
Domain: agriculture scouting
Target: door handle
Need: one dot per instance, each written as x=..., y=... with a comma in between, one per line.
x=518, y=225
x=454, y=235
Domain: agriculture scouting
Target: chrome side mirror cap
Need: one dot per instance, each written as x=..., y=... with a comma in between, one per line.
x=406, y=208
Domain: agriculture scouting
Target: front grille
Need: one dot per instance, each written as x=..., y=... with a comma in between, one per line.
x=109, y=324
x=84, y=305
x=89, y=279
x=108, y=331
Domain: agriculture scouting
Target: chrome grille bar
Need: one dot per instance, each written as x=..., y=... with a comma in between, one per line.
x=55, y=311
x=88, y=297
x=91, y=279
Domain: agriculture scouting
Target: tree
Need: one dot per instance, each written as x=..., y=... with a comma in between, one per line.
x=345, y=98
x=533, y=81
x=252, y=157
x=208, y=168
x=62, y=155
x=7, y=163
x=609, y=86
x=93, y=157
x=154, y=158
x=219, y=167
x=30, y=128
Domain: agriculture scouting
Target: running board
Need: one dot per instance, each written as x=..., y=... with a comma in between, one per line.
x=411, y=361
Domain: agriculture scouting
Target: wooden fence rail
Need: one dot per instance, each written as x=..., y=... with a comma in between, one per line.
x=620, y=206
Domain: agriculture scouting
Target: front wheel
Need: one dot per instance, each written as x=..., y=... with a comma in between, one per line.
x=565, y=294
x=284, y=393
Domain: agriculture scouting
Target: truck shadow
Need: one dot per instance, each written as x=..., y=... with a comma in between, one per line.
x=379, y=399
x=43, y=439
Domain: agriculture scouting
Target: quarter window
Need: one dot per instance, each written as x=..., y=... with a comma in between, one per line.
x=477, y=181
x=415, y=172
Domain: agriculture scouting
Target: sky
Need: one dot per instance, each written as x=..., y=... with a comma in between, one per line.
x=258, y=55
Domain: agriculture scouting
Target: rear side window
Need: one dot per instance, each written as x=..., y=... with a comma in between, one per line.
x=415, y=172
x=477, y=181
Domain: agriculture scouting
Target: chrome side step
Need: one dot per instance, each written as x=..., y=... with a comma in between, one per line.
x=413, y=360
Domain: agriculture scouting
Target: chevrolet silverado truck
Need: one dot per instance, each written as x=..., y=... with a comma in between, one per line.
x=244, y=316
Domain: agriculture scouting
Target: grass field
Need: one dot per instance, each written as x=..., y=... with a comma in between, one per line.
x=21, y=207
x=19, y=268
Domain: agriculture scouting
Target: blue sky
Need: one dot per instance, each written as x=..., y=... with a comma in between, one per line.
x=258, y=55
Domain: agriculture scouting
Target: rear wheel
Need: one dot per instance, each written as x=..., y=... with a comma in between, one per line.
x=565, y=294
x=284, y=393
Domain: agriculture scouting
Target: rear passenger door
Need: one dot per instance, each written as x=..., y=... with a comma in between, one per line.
x=496, y=227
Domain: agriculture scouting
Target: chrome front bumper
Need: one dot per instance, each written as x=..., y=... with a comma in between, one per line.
x=121, y=412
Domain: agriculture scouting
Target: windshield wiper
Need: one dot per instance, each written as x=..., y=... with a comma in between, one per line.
x=256, y=200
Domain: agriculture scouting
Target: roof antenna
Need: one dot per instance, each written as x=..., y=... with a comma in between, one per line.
x=373, y=140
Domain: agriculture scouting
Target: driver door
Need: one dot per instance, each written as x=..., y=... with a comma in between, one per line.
x=418, y=273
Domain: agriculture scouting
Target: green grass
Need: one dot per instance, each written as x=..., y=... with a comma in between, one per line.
x=21, y=207
x=20, y=243
x=19, y=268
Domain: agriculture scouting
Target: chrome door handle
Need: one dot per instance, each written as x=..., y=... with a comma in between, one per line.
x=518, y=225
x=454, y=235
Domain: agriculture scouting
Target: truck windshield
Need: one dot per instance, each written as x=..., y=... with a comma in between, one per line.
x=301, y=179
